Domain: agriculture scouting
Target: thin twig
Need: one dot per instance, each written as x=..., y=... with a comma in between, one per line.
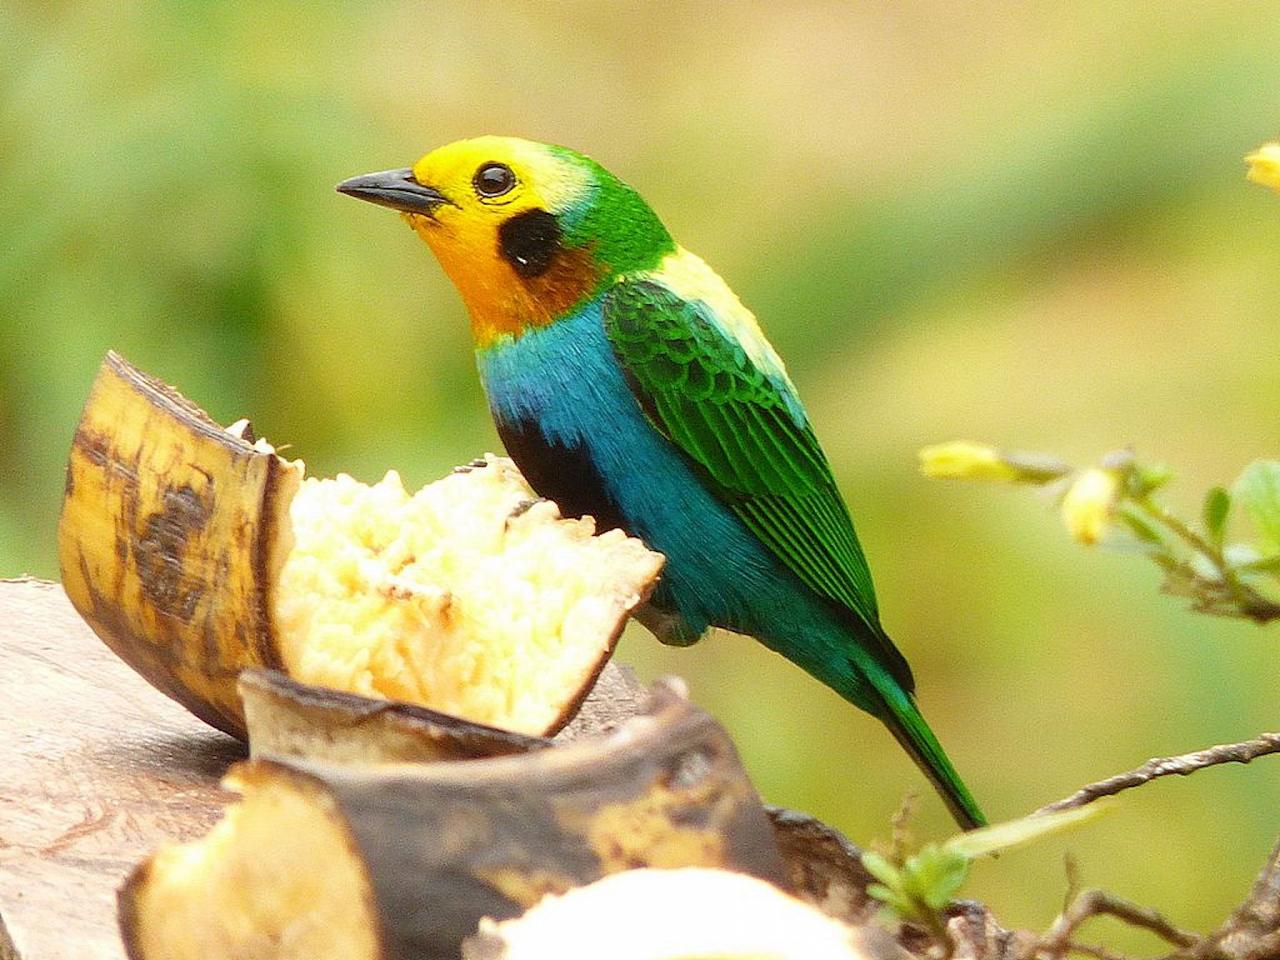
x=1093, y=903
x=1241, y=599
x=1072, y=869
x=1181, y=766
x=1252, y=932
x=1098, y=953
x=901, y=840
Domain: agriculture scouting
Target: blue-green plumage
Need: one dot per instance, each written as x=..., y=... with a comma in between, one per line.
x=572, y=421
x=629, y=383
x=560, y=389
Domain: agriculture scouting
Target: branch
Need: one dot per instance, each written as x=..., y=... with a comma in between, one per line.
x=1098, y=953
x=1092, y=903
x=1252, y=932
x=1184, y=765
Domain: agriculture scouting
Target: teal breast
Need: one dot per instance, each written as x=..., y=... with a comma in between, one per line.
x=570, y=422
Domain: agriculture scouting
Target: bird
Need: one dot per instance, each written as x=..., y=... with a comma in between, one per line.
x=629, y=384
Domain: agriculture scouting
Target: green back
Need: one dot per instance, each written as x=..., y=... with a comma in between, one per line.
x=747, y=435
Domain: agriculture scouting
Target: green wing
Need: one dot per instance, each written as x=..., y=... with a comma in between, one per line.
x=748, y=435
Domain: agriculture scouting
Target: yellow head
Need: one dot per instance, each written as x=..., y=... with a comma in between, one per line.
x=526, y=231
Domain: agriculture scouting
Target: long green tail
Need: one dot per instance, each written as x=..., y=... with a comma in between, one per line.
x=902, y=717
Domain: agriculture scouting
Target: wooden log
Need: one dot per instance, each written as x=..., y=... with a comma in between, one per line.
x=96, y=770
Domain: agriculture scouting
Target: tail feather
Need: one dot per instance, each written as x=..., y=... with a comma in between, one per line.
x=908, y=727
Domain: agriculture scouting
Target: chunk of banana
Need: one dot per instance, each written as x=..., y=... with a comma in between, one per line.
x=335, y=862
x=693, y=912
x=195, y=551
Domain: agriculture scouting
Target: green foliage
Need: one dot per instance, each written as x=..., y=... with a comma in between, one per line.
x=1240, y=578
x=918, y=886
x=1217, y=504
x=925, y=883
x=1257, y=490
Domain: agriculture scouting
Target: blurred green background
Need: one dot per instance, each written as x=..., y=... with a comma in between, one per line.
x=1024, y=223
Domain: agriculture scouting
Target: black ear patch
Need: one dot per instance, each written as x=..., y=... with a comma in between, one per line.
x=530, y=242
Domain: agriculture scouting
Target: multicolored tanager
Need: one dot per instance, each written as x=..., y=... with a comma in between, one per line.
x=629, y=383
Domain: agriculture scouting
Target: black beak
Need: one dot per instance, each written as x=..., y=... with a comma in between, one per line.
x=396, y=189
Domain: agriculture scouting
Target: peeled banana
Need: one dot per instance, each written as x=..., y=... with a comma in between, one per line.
x=196, y=551
x=686, y=914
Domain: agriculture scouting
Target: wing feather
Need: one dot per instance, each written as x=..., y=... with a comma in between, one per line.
x=745, y=431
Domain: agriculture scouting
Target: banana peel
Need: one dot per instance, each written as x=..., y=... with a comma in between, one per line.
x=286, y=718
x=357, y=862
x=171, y=532
x=291, y=719
x=196, y=551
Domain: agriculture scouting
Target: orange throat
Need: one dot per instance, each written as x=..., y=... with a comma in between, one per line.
x=501, y=302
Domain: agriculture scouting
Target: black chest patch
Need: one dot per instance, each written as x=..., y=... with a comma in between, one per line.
x=530, y=242
x=563, y=474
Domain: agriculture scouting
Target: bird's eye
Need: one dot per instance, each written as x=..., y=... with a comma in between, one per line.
x=493, y=180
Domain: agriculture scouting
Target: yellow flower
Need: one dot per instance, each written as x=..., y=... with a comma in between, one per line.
x=1090, y=503
x=1264, y=165
x=961, y=459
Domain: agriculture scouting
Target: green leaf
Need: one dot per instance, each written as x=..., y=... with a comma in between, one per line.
x=1141, y=528
x=880, y=868
x=1148, y=478
x=1217, y=504
x=1257, y=490
x=899, y=904
x=1263, y=565
x=935, y=874
x=931, y=878
x=1012, y=833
